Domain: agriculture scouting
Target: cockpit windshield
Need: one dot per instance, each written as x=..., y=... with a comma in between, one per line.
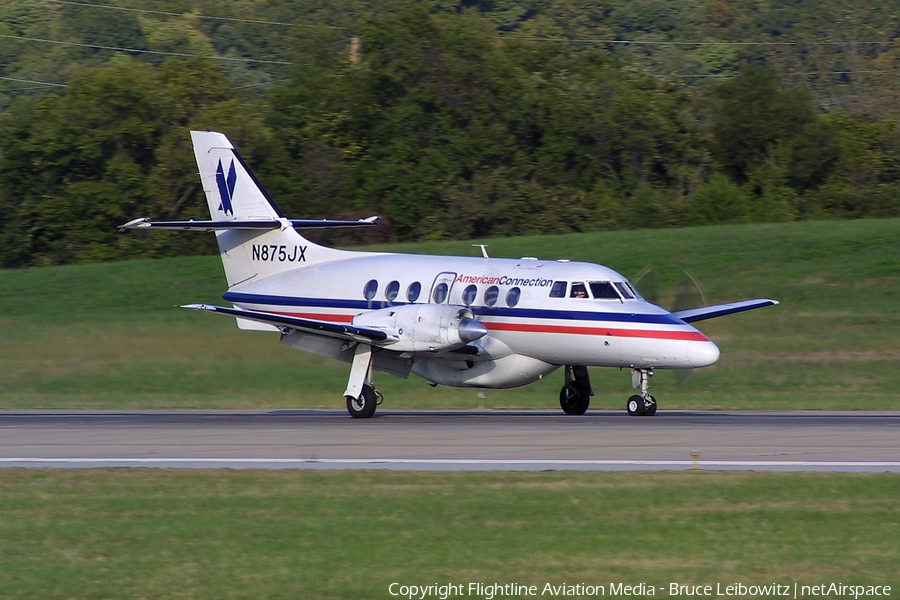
x=624, y=289
x=599, y=290
x=603, y=290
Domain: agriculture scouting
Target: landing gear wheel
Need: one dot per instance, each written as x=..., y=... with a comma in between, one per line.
x=650, y=409
x=574, y=398
x=635, y=406
x=364, y=406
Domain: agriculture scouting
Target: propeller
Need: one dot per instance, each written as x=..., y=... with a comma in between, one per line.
x=673, y=291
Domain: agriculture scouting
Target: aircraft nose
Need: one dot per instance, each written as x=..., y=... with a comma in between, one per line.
x=702, y=354
x=471, y=330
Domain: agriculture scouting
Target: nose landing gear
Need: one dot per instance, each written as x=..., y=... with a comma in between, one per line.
x=643, y=404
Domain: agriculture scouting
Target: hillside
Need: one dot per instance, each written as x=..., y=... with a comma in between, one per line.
x=111, y=335
x=452, y=121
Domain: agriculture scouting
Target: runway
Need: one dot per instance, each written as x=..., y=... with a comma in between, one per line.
x=453, y=440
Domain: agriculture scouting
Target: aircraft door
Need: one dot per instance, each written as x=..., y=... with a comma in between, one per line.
x=440, y=290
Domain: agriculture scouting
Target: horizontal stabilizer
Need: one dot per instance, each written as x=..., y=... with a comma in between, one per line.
x=145, y=223
x=720, y=310
x=348, y=332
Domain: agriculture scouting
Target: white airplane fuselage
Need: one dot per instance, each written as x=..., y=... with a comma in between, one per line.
x=530, y=333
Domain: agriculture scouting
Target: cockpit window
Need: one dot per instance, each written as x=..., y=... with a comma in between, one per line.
x=559, y=289
x=633, y=291
x=624, y=290
x=604, y=290
x=578, y=290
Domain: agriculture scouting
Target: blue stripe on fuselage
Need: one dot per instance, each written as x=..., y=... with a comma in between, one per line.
x=530, y=313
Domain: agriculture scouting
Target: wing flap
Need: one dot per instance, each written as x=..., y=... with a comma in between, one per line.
x=338, y=330
x=720, y=310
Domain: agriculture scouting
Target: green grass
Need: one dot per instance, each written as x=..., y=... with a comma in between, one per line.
x=136, y=533
x=111, y=335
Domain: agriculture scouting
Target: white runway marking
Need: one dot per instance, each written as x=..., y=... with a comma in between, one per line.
x=455, y=464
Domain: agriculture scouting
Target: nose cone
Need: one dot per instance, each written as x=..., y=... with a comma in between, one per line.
x=702, y=354
x=471, y=330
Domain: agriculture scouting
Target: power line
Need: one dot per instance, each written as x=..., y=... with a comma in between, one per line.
x=44, y=83
x=788, y=73
x=25, y=89
x=141, y=51
x=667, y=43
x=256, y=85
x=204, y=17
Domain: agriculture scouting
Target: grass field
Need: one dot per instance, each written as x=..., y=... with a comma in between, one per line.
x=111, y=335
x=136, y=533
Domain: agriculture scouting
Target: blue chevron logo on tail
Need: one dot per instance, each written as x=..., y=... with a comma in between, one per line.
x=226, y=187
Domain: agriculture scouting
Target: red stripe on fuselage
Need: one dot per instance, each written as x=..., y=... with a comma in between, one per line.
x=689, y=336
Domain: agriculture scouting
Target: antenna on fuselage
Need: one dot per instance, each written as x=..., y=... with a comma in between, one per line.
x=483, y=247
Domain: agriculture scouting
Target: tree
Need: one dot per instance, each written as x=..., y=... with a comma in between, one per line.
x=751, y=113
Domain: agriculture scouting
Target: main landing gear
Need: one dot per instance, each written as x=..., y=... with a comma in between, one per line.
x=575, y=395
x=362, y=397
x=363, y=406
x=643, y=404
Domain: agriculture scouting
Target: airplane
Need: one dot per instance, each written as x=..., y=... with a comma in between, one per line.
x=457, y=321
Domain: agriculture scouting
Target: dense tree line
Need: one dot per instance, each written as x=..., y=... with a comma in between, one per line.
x=438, y=123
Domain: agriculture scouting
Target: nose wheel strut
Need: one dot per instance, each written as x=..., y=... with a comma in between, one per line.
x=643, y=404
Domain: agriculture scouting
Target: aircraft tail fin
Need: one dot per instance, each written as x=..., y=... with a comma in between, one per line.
x=232, y=192
x=255, y=239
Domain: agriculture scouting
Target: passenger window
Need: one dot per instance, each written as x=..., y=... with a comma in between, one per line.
x=391, y=291
x=623, y=289
x=370, y=289
x=469, y=295
x=413, y=291
x=559, y=289
x=578, y=290
x=440, y=293
x=512, y=296
x=604, y=290
x=490, y=295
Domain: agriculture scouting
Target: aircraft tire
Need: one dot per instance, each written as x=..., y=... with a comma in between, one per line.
x=364, y=406
x=635, y=406
x=574, y=398
x=650, y=410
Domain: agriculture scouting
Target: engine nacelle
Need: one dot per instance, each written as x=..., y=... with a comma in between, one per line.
x=423, y=327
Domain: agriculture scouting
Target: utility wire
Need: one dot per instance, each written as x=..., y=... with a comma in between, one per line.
x=25, y=89
x=507, y=37
x=789, y=73
x=665, y=43
x=140, y=51
x=205, y=17
x=44, y=83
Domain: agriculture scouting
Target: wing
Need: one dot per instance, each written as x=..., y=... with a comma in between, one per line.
x=337, y=330
x=719, y=310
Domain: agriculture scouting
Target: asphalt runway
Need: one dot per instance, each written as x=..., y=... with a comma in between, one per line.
x=453, y=440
